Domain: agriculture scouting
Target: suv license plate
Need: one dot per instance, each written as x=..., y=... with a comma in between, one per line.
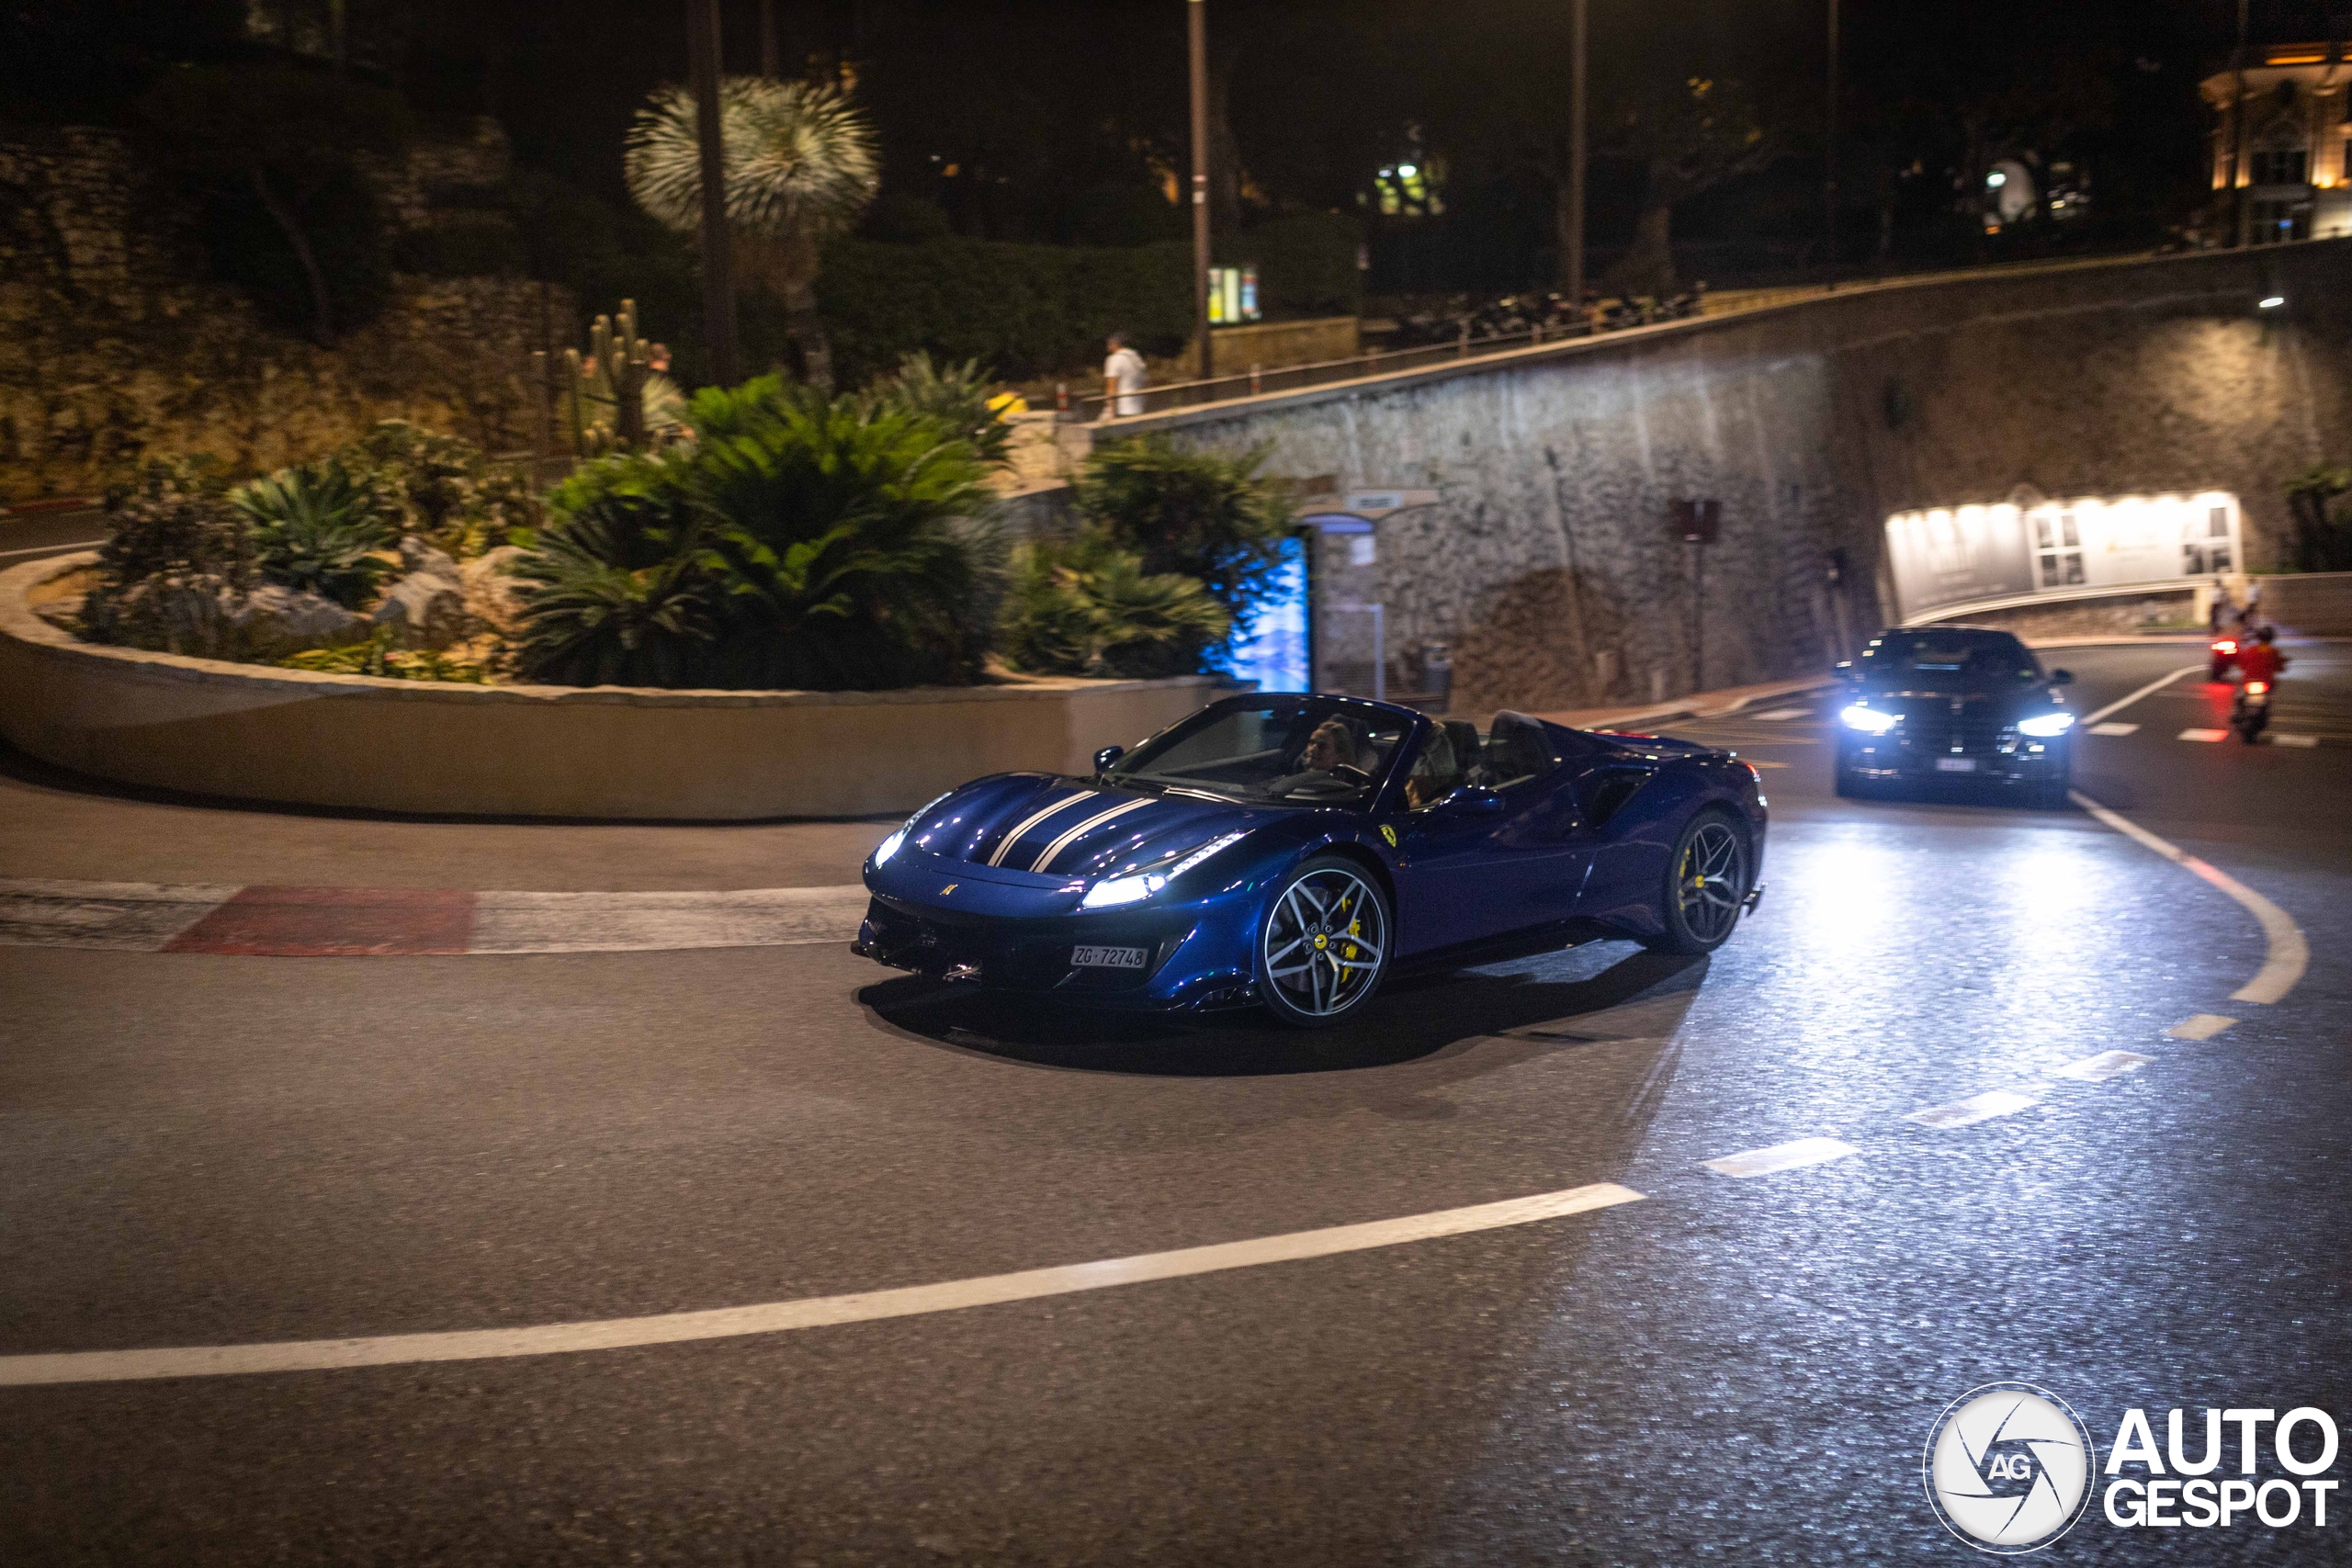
x=1955, y=764
x=1106, y=957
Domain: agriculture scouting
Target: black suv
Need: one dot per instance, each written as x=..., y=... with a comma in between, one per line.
x=1954, y=703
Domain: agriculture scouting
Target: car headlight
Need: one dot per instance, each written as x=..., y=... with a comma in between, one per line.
x=2043, y=727
x=1139, y=885
x=1870, y=721
x=889, y=846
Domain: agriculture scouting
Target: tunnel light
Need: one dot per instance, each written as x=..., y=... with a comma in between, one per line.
x=2047, y=725
x=1409, y=170
x=1868, y=720
x=2271, y=301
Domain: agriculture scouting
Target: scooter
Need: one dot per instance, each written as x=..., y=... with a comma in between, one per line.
x=2226, y=657
x=2250, y=714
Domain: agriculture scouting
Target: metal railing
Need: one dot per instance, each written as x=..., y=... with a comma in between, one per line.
x=1258, y=381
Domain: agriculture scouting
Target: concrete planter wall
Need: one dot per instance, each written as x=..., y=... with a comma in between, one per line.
x=343, y=741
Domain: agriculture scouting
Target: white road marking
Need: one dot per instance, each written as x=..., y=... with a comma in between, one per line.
x=133, y=916
x=2111, y=709
x=1975, y=1108
x=52, y=550
x=2286, y=955
x=627, y=922
x=2114, y=729
x=2204, y=735
x=812, y=1311
x=2204, y=1026
x=1779, y=714
x=2103, y=1067
x=1781, y=1156
x=2305, y=741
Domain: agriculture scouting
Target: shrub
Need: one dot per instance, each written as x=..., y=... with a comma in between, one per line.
x=1306, y=264
x=315, y=528
x=803, y=541
x=1192, y=513
x=438, y=486
x=1086, y=608
x=175, y=550
x=377, y=656
x=1027, y=311
x=958, y=396
x=2321, y=538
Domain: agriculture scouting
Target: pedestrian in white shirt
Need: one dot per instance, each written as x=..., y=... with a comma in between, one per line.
x=1122, y=376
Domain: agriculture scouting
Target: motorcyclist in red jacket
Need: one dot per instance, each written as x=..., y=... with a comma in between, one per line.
x=2258, y=660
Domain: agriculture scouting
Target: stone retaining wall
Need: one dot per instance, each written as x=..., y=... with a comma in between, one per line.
x=254, y=733
x=1548, y=564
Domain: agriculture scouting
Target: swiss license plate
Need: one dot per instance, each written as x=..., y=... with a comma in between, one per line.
x=1106, y=957
x=1955, y=764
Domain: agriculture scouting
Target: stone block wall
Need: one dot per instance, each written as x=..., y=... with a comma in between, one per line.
x=1548, y=565
x=111, y=347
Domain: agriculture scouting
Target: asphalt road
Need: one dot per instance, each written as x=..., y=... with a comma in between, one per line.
x=39, y=534
x=199, y=1150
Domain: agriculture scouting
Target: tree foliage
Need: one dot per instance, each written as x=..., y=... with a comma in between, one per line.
x=1195, y=514
x=1084, y=606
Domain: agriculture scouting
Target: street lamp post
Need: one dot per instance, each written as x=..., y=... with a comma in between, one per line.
x=717, y=279
x=1573, y=238
x=1197, y=28
x=1829, y=157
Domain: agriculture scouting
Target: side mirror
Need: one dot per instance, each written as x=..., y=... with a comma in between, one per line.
x=2062, y=677
x=1108, y=755
x=1470, y=800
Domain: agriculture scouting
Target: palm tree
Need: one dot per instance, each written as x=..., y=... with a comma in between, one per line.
x=801, y=165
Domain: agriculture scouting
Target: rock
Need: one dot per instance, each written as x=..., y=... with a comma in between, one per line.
x=421, y=559
x=425, y=609
x=274, y=621
x=494, y=598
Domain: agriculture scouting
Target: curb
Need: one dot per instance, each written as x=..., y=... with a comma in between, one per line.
x=412, y=922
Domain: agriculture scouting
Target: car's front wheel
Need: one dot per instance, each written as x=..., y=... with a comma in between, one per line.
x=1706, y=882
x=1324, y=942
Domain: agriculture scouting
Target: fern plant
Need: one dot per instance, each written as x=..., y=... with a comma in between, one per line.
x=1087, y=607
x=316, y=528
x=957, y=394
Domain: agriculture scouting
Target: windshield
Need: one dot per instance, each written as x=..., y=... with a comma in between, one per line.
x=1981, y=658
x=1292, y=750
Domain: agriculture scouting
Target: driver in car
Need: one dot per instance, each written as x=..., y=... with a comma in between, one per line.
x=1332, y=745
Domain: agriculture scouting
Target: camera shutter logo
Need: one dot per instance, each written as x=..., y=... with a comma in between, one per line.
x=2008, y=1467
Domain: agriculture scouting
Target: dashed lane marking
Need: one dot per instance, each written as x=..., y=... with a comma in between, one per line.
x=1975, y=1108
x=1781, y=1156
x=2204, y=1026
x=1779, y=716
x=2204, y=735
x=810, y=1312
x=2103, y=1067
x=2303, y=740
x=2287, y=954
x=2158, y=684
x=2114, y=729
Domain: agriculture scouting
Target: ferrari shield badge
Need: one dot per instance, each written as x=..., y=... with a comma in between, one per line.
x=1388, y=833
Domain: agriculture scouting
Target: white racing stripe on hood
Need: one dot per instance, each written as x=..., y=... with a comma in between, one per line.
x=1008, y=840
x=1095, y=821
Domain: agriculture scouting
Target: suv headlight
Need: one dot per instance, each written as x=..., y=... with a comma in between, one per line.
x=1139, y=886
x=2043, y=725
x=1868, y=720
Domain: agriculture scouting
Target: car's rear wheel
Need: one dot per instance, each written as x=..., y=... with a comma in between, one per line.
x=1706, y=882
x=1324, y=942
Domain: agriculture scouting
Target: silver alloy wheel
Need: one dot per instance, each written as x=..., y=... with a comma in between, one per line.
x=1326, y=941
x=1711, y=881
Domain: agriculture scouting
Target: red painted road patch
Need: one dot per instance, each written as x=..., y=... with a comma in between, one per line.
x=335, y=922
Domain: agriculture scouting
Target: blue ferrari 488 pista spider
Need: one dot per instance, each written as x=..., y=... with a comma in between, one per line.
x=1295, y=851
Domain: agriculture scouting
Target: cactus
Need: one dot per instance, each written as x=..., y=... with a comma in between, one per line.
x=618, y=378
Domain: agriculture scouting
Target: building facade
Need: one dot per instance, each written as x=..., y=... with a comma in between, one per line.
x=2280, y=119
